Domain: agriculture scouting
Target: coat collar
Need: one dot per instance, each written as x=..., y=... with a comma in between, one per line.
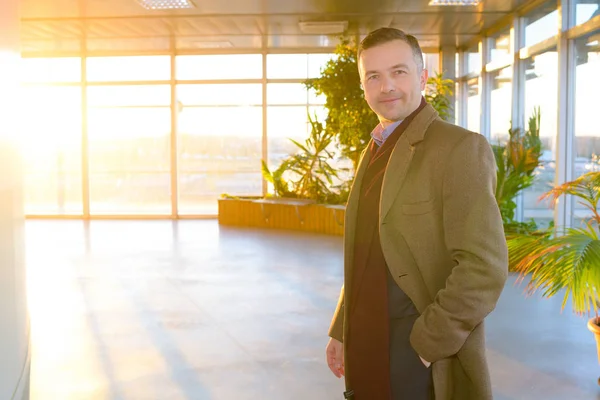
x=415, y=132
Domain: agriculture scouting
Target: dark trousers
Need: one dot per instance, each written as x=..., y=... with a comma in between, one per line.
x=410, y=379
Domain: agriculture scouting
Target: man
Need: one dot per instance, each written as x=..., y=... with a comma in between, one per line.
x=425, y=256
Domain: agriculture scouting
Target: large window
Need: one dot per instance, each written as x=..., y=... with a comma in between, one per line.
x=129, y=140
x=289, y=105
x=295, y=66
x=226, y=66
x=587, y=134
x=541, y=74
x=50, y=70
x=501, y=105
x=287, y=118
x=118, y=69
x=51, y=124
x=473, y=106
x=51, y=127
x=219, y=144
x=128, y=110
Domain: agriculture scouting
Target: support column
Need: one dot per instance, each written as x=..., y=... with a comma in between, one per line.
x=485, y=88
x=517, y=35
x=448, y=68
x=14, y=320
x=563, y=212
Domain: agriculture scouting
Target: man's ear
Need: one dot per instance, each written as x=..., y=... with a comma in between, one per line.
x=424, y=77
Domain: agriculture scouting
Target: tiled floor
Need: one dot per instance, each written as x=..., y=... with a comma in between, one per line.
x=189, y=310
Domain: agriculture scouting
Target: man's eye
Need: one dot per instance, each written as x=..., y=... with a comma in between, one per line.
x=399, y=72
x=373, y=77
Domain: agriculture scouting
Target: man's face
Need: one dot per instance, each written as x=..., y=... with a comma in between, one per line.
x=391, y=80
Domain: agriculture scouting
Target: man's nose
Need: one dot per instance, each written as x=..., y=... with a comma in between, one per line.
x=387, y=85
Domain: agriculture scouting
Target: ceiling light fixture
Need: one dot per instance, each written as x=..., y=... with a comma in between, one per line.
x=166, y=4
x=454, y=2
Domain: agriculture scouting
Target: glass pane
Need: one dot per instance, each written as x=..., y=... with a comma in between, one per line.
x=129, y=160
x=541, y=24
x=220, y=94
x=132, y=68
x=225, y=66
x=287, y=66
x=457, y=105
x=587, y=135
x=432, y=63
x=501, y=104
x=286, y=93
x=541, y=91
x=284, y=123
x=586, y=10
x=500, y=48
x=457, y=63
x=474, y=61
x=47, y=70
x=51, y=125
x=216, y=157
x=120, y=96
x=473, y=106
x=316, y=62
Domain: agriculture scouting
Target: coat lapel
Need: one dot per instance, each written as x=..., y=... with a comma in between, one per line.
x=401, y=158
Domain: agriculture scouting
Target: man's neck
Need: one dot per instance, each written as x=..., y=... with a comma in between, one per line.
x=385, y=123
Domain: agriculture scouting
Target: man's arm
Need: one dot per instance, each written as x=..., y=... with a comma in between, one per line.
x=336, y=330
x=474, y=236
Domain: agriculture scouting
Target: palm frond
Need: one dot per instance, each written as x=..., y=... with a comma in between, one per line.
x=570, y=262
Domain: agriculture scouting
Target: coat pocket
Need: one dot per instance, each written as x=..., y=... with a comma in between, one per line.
x=422, y=207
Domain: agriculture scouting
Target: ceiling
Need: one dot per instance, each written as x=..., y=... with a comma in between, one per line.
x=126, y=26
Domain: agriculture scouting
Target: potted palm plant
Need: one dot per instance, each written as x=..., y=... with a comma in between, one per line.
x=566, y=259
x=517, y=161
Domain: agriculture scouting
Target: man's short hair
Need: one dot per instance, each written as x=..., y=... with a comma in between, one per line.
x=385, y=35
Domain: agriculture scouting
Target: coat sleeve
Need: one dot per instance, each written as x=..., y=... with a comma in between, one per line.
x=336, y=330
x=474, y=237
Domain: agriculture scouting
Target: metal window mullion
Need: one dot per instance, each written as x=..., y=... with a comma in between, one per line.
x=265, y=139
x=566, y=97
x=518, y=93
x=174, y=142
x=485, y=89
x=85, y=148
x=463, y=87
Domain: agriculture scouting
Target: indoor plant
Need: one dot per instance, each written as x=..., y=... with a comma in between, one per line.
x=516, y=163
x=306, y=174
x=566, y=259
x=349, y=117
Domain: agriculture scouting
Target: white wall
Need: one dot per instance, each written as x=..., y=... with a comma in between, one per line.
x=14, y=321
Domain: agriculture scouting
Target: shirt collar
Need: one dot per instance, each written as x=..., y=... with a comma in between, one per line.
x=380, y=134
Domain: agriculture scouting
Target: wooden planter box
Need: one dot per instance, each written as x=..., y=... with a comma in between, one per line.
x=292, y=214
